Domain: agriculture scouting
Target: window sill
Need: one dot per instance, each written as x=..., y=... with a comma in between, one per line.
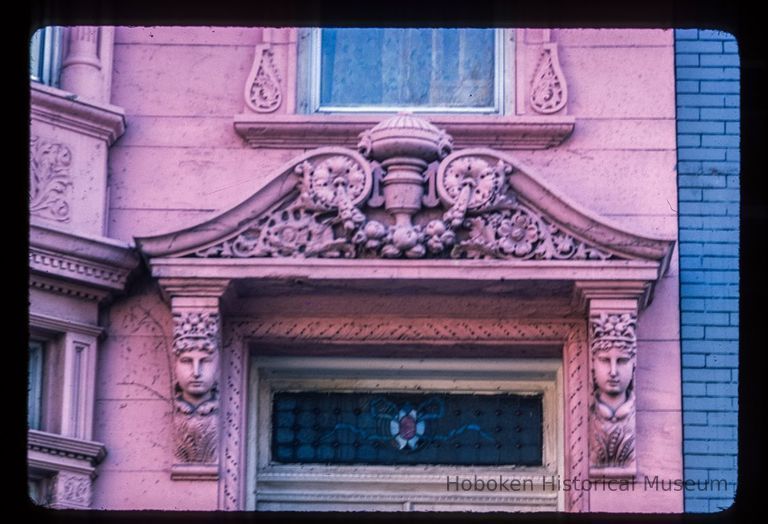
x=311, y=131
x=64, y=109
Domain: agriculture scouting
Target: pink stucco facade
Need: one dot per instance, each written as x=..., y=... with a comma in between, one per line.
x=192, y=149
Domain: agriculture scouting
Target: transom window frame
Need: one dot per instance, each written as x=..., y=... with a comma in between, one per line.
x=319, y=487
x=309, y=77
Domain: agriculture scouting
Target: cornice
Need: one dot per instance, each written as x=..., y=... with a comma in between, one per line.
x=63, y=109
x=59, y=325
x=53, y=444
x=313, y=131
x=90, y=261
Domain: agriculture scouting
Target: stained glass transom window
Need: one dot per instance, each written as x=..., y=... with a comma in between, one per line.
x=401, y=429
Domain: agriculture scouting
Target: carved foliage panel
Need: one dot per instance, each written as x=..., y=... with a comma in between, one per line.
x=71, y=490
x=50, y=182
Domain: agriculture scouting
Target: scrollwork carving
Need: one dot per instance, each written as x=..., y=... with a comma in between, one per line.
x=292, y=232
x=50, y=181
x=549, y=92
x=521, y=233
x=612, y=410
x=263, y=91
x=337, y=183
x=337, y=192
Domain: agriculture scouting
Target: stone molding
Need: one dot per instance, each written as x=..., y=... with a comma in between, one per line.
x=63, y=109
x=301, y=132
x=195, y=472
x=58, y=325
x=54, y=444
x=101, y=264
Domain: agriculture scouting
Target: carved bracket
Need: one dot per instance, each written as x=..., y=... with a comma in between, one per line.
x=613, y=344
x=196, y=352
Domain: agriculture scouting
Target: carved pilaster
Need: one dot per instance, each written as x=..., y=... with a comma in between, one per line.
x=196, y=353
x=612, y=316
x=70, y=491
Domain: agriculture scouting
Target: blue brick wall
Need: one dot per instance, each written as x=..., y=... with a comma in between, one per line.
x=707, y=70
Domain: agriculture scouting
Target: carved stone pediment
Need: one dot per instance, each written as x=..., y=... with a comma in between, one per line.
x=404, y=195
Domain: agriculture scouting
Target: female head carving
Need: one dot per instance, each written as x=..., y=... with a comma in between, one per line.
x=196, y=371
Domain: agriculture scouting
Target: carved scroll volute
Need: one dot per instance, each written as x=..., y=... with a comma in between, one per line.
x=470, y=181
x=263, y=89
x=549, y=90
x=196, y=356
x=337, y=183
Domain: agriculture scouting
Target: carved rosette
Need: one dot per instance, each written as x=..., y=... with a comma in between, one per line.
x=335, y=213
x=612, y=410
x=50, y=181
x=549, y=92
x=521, y=233
x=263, y=92
x=338, y=183
x=470, y=184
x=196, y=350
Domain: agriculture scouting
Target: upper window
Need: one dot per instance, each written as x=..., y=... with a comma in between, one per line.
x=431, y=70
x=45, y=56
x=35, y=384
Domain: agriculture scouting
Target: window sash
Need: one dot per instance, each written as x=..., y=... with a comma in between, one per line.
x=315, y=81
x=35, y=384
x=45, y=56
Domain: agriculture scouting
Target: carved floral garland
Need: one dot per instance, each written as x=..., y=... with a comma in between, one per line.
x=483, y=220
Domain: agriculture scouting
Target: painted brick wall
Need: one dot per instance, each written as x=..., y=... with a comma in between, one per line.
x=707, y=69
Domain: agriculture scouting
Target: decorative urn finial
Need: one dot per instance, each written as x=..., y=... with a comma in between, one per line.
x=405, y=135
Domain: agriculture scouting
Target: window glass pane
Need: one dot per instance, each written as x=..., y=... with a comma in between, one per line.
x=35, y=384
x=45, y=55
x=35, y=55
x=398, y=428
x=450, y=68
